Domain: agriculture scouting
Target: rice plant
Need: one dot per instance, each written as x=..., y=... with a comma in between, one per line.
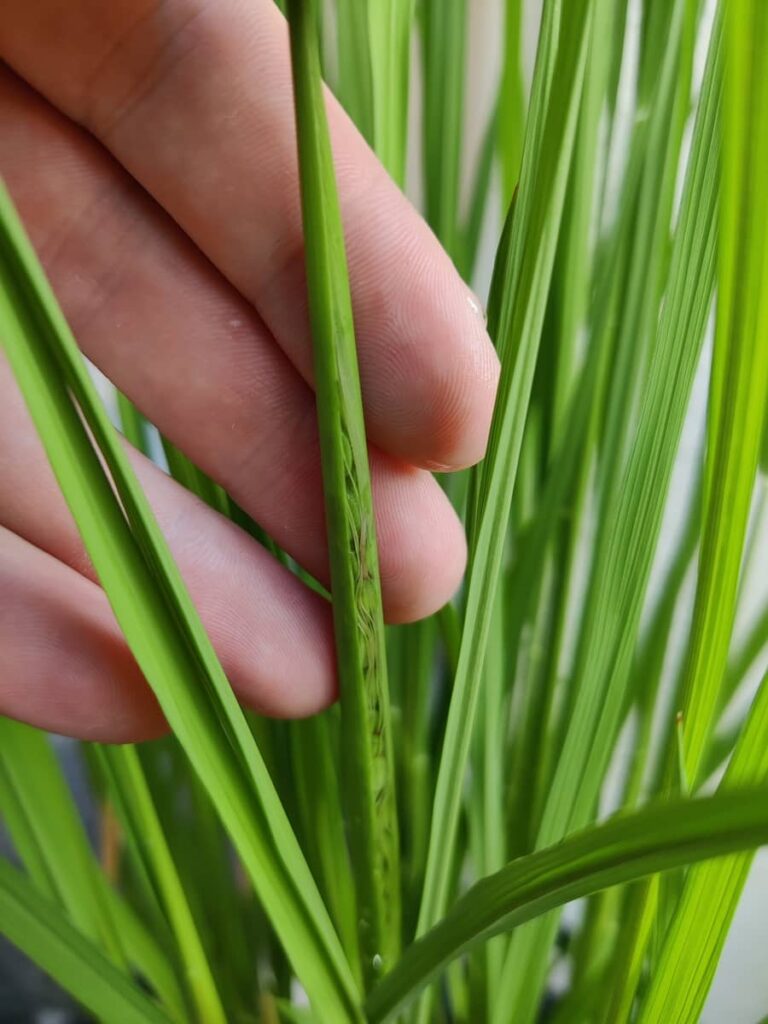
x=585, y=723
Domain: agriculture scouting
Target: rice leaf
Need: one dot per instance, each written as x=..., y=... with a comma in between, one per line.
x=744, y=656
x=226, y=912
x=518, y=337
x=491, y=774
x=444, y=33
x=140, y=820
x=739, y=385
x=366, y=740
x=739, y=393
x=512, y=99
x=52, y=845
x=318, y=798
x=625, y=848
x=650, y=656
x=41, y=931
x=686, y=967
x=132, y=423
x=49, y=833
x=390, y=24
x=523, y=271
x=627, y=539
x=478, y=198
x=415, y=680
x=656, y=146
x=158, y=619
x=50, y=841
x=195, y=480
x=580, y=217
x=355, y=86
x=148, y=956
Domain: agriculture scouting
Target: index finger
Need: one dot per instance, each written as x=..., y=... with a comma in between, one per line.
x=195, y=100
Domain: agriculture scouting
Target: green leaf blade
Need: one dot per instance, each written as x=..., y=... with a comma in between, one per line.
x=623, y=849
x=368, y=767
x=158, y=619
x=46, y=936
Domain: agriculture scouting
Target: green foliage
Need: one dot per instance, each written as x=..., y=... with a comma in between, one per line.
x=158, y=619
x=50, y=938
x=621, y=850
x=366, y=740
x=406, y=855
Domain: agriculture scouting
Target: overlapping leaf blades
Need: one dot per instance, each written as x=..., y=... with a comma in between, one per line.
x=526, y=285
x=602, y=290
x=156, y=615
x=738, y=399
x=34, y=925
x=627, y=539
x=366, y=743
x=618, y=851
x=51, y=843
x=739, y=382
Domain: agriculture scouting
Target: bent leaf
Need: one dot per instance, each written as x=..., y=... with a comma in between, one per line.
x=624, y=849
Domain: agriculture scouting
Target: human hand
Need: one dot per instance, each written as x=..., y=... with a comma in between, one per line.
x=150, y=149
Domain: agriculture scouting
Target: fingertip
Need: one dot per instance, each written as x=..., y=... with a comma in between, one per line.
x=461, y=409
x=422, y=548
x=273, y=635
x=429, y=370
x=288, y=671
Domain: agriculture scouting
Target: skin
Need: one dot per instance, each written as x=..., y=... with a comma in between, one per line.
x=148, y=145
